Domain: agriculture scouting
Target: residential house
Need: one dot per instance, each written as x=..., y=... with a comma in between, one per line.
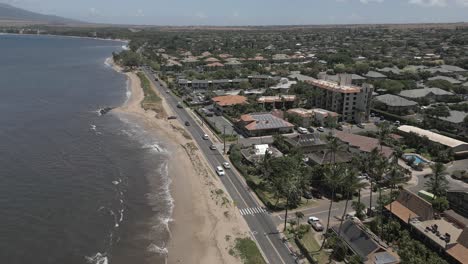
x=352, y=103
x=221, y=103
x=255, y=154
x=454, y=122
x=373, y=75
x=395, y=104
x=362, y=145
x=363, y=243
x=262, y=124
x=284, y=85
x=310, y=116
x=445, y=78
x=427, y=94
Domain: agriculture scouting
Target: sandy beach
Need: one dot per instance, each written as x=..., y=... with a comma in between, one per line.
x=205, y=221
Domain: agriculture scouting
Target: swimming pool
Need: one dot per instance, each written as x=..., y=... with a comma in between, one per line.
x=417, y=159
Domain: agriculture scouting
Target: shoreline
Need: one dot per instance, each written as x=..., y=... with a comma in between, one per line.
x=204, y=222
x=126, y=41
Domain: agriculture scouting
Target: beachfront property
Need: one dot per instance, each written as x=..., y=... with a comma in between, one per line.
x=262, y=124
x=352, y=103
x=458, y=147
x=365, y=244
x=448, y=233
x=395, y=104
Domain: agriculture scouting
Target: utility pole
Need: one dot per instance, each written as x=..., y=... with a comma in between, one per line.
x=224, y=139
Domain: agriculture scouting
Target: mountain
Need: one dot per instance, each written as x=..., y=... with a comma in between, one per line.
x=14, y=14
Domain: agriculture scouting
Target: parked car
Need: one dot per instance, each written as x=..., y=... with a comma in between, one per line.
x=307, y=195
x=321, y=129
x=340, y=128
x=167, y=91
x=317, y=194
x=311, y=129
x=360, y=125
x=226, y=165
x=302, y=130
x=213, y=147
x=312, y=219
x=220, y=171
x=205, y=137
x=171, y=117
x=179, y=105
x=187, y=123
x=317, y=226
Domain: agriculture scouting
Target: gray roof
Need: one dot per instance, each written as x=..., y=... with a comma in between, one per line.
x=267, y=121
x=394, y=100
x=418, y=93
x=455, y=117
x=374, y=74
x=453, y=68
x=449, y=79
x=358, y=240
x=394, y=70
x=300, y=77
x=336, y=78
x=465, y=84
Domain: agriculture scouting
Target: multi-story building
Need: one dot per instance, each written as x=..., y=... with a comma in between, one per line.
x=352, y=103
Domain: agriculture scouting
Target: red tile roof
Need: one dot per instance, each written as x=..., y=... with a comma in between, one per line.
x=228, y=100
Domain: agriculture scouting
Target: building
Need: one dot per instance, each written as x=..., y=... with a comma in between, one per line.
x=206, y=84
x=309, y=117
x=373, y=75
x=255, y=154
x=459, y=148
x=352, y=103
x=361, y=144
x=362, y=242
x=427, y=94
x=458, y=200
x=395, y=104
x=226, y=101
x=278, y=101
x=454, y=122
x=284, y=85
x=355, y=79
x=262, y=124
x=445, y=78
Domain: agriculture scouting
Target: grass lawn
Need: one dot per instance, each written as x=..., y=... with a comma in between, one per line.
x=151, y=100
x=248, y=251
x=313, y=246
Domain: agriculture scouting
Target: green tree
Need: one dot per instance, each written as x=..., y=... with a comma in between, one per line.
x=438, y=183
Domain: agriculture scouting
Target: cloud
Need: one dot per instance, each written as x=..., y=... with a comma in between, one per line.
x=370, y=1
x=440, y=3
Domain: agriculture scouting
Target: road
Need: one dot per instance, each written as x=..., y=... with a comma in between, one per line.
x=260, y=222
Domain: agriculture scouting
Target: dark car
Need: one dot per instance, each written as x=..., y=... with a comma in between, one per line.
x=311, y=129
x=171, y=117
x=187, y=123
x=307, y=195
x=340, y=128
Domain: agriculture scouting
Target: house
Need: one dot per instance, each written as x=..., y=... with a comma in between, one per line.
x=373, y=75
x=445, y=78
x=409, y=206
x=393, y=70
x=352, y=103
x=459, y=148
x=362, y=242
x=361, y=144
x=255, y=154
x=296, y=75
x=226, y=101
x=308, y=117
x=262, y=124
x=424, y=94
x=284, y=85
x=458, y=200
x=395, y=104
x=455, y=122
x=307, y=143
x=214, y=65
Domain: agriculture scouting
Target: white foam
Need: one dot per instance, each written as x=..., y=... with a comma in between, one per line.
x=98, y=258
x=125, y=47
x=159, y=250
x=107, y=62
x=93, y=127
x=115, y=182
x=155, y=147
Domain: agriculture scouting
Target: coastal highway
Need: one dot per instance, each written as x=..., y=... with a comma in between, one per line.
x=260, y=222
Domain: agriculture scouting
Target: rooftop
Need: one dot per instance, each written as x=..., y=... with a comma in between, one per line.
x=455, y=117
x=418, y=93
x=446, y=141
x=229, y=100
x=264, y=121
x=334, y=86
x=394, y=100
x=277, y=99
x=366, y=144
x=374, y=74
x=448, y=79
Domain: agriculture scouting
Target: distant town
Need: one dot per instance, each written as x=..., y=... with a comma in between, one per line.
x=352, y=140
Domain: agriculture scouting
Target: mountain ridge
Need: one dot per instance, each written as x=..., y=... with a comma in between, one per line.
x=15, y=14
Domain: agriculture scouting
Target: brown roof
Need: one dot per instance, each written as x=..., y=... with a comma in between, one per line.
x=215, y=64
x=264, y=121
x=366, y=144
x=411, y=205
x=228, y=100
x=458, y=219
x=459, y=252
x=463, y=238
x=211, y=59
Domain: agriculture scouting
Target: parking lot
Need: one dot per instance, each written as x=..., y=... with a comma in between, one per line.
x=220, y=122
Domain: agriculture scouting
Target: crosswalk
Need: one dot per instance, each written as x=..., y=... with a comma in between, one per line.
x=252, y=210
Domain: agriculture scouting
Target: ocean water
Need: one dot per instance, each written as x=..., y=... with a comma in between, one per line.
x=75, y=187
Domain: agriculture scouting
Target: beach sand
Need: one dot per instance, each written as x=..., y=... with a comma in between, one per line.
x=205, y=220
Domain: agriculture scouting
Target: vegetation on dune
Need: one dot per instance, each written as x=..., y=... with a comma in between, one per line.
x=151, y=100
x=248, y=251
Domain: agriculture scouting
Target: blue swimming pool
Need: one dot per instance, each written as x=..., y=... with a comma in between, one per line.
x=417, y=158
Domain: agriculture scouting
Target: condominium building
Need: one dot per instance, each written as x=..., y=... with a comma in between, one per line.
x=352, y=103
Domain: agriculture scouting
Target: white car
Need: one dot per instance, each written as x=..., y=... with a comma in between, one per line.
x=205, y=137
x=313, y=219
x=226, y=165
x=321, y=129
x=220, y=171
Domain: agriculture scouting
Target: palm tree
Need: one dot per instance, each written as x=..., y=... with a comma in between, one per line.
x=352, y=183
x=438, y=183
x=383, y=132
x=333, y=179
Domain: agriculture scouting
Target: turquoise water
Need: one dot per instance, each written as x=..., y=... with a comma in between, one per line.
x=417, y=159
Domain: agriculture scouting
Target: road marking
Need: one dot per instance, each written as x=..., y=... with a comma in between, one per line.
x=252, y=211
x=274, y=248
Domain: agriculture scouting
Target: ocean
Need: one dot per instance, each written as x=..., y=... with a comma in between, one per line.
x=75, y=186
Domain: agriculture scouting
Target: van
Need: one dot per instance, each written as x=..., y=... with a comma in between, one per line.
x=302, y=130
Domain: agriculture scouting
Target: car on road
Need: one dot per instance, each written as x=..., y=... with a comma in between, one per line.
x=226, y=165
x=312, y=219
x=321, y=129
x=171, y=117
x=317, y=226
x=220, y=171
x=213, y=147
x=179, y=105
x=205, y=137
x=360, y=126
x=167, y=91
x=187, y=123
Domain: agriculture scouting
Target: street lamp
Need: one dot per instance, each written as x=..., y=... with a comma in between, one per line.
x=224, y=139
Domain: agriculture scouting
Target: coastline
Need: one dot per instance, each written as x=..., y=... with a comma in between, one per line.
x=204, y=221
x=126, y=41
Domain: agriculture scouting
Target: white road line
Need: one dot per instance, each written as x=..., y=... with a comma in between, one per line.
x=258, y=210
x=250, y=211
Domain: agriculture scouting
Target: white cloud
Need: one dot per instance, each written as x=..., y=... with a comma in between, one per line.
x=429, y=2
x=370, y=1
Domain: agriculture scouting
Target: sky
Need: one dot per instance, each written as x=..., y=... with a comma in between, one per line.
x=251, y=12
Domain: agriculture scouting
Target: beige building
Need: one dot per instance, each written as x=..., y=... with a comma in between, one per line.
x=351, y=102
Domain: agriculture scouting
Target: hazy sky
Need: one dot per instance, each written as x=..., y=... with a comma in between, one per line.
x=251, y=12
